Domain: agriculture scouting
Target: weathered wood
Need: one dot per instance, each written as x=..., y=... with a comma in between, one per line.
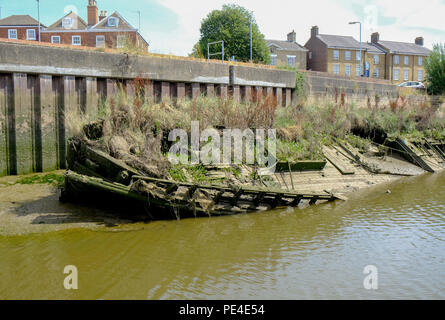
x=339, y=163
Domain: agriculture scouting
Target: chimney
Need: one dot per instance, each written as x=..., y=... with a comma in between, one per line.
x=92, y=13
x=375, y=37
x=102, y=15
x=314, y=31
x=292, y=37
x=419, y=41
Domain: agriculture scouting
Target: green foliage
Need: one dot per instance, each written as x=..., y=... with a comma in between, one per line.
x=51, y=178
x=232, y=25
x=183, y=173
x=435, y=69
x=300, y=79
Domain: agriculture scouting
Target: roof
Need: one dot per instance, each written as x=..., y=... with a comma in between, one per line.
x=369, y=47
x=405, y=47
x=121, y=25
x=286, y=45
x=78, y=23
x=19, y=20
x=333, y=41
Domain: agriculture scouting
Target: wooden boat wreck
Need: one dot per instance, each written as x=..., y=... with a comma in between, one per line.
x=96, y=177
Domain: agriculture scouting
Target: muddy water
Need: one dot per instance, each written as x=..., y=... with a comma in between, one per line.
x=315, y=253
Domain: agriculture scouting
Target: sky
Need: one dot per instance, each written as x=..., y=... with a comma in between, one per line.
x=172, y=26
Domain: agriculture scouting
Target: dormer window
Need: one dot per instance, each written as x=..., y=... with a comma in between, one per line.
x=113, y=21
x=67, y=23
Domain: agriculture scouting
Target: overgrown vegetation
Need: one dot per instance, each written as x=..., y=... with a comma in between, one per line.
x=435, y=69
x=50, y=178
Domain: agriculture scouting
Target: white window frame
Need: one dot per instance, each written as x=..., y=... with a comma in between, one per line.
x=115, y=24
x=406, y=60
x=336, y=66
x=406, y=75
x=358, y=56
x=100, y=36
x=348, y=70
x=273, y=59
x=336, y=55
x=396, y=59
x=347, y=55
x=396, y=74
x=358, y=70
x=55, y=37
x=10, y=31
x=420, y=75
x=27, y=34
x=376, y=59
x=65, y=23
x=420, y=61
x=291, y=58
x=76, y=44
x=118, y=43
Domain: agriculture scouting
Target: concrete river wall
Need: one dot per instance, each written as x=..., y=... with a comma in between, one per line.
x=39, y=83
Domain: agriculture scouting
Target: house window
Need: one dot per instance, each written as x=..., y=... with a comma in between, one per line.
x=376, y=59
x=420, y=75
x=113, y=21
x=406, y=60
x=358, y=56
x=30, y=34
x=396, y=74
x=76, y=41
x=396, y=59
x=336, y=54
x=100, y=41
x=336, y=68
x=358, y=70
x=121, y=40
x=12, y=34
x=55, y=39
x=273, y=59
x=420, y=61
x=67, y=23
x=376, y=73
x=406, y=75
x=348, y=70
x=348, y=55
x=291, y=60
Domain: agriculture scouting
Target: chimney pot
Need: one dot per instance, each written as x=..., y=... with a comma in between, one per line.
x=314, y=31
x=292, y=37
x=375, y=37
x=419, y=41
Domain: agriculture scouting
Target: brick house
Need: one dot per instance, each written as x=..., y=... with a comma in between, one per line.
x=20, y=27
x=288, y=53
x=111, y=31
x=403, y=61
x=340, y=55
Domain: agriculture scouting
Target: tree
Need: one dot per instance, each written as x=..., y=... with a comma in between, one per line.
x=435, y=69
x=232, y=25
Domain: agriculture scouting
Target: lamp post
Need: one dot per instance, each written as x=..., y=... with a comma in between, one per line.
x=38, y=13
x=358, y=22
x=251, y=40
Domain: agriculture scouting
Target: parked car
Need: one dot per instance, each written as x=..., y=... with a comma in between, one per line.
x=413, y=84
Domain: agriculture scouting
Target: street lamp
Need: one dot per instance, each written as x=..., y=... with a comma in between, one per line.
x=358, y=22
x=38, y=13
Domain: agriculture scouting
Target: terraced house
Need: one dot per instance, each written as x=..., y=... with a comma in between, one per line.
x=20, y=27
x=341, y=55
x=288, y=53
x=111, y=31
x=403, y=61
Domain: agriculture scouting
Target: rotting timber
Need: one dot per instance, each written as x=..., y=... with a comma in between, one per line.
x=96, y=177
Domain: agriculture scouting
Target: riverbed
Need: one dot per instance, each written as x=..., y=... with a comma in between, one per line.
x=318, y=252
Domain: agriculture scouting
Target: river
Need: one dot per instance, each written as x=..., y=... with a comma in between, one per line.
x=315, y=253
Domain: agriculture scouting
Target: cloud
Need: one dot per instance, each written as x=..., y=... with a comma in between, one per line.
x=279, y=17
